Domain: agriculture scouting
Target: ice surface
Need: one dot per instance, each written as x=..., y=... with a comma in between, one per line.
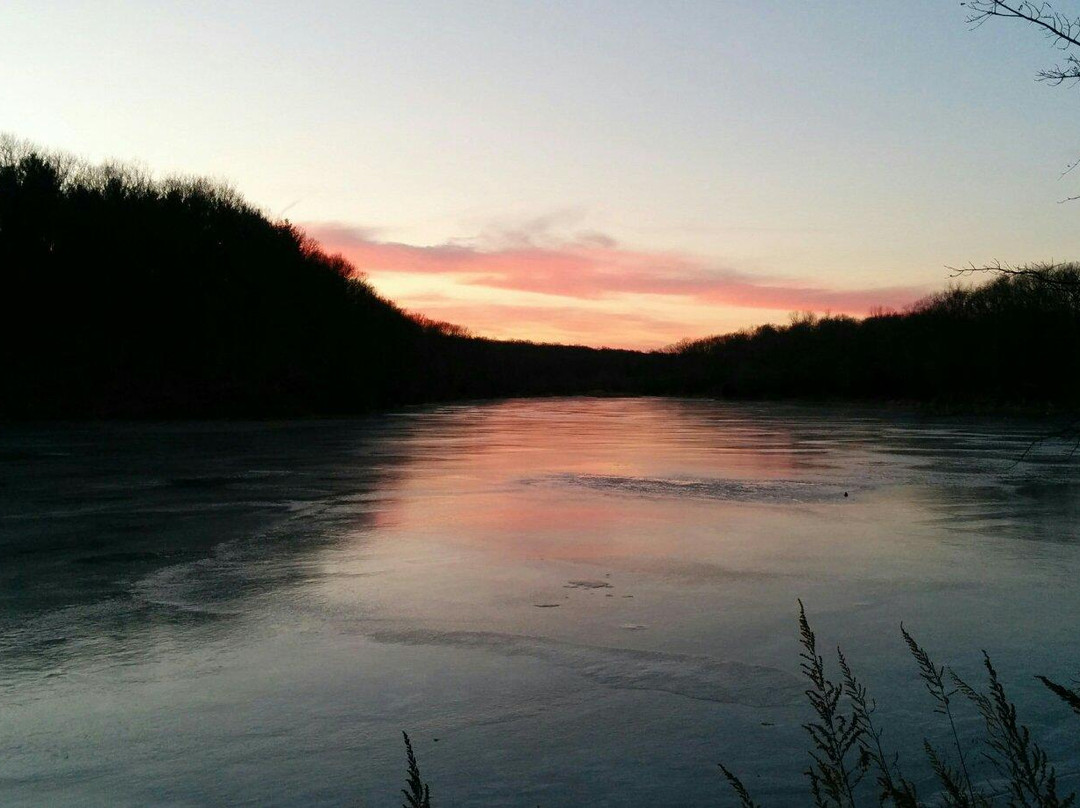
x=766, y=491
x=694, y=677
x=585, y=600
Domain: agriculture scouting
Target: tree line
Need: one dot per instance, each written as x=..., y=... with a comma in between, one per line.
x=1012, y=340
x=126, y=296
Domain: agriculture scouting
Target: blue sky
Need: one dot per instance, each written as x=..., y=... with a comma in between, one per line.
x=645, y=149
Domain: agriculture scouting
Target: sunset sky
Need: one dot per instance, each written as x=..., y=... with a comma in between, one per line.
x=610, y=173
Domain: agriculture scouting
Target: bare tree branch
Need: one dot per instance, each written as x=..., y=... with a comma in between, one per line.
x=1059, y=74
x=1061, y=275
x=1061, y=29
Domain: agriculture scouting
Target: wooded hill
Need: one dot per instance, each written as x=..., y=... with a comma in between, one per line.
x=125, y=296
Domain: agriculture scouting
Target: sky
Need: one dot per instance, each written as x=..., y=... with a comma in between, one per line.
x=606, y=173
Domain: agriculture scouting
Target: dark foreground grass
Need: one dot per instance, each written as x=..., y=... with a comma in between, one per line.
x=850, y=766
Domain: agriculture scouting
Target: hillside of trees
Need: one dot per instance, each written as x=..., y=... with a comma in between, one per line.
x=124, y=296
x=1012, y=340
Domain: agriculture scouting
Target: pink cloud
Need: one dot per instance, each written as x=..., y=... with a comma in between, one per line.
x=592, y=266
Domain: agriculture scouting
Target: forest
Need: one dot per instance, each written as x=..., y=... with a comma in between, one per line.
x=129, y=296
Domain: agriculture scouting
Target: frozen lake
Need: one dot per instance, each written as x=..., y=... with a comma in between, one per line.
x=564, y=601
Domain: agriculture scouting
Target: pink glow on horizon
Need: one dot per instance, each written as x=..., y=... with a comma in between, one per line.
x=566, y=324
x=592, y=291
